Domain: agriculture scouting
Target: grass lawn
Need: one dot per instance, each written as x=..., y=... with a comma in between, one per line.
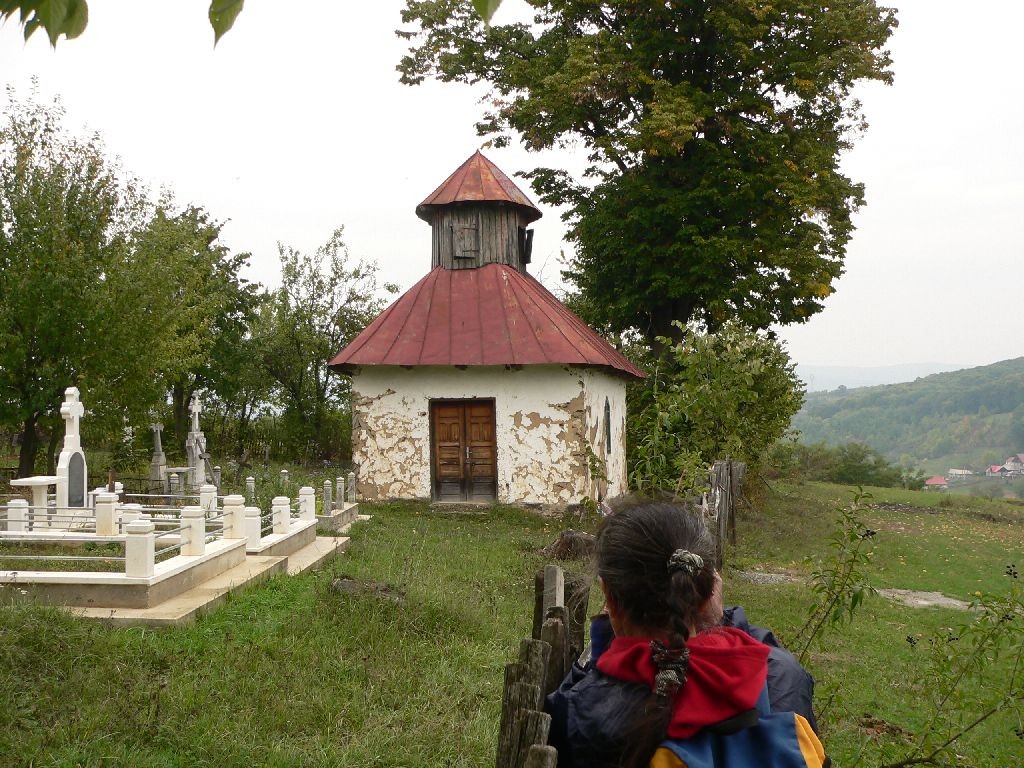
x=294, y=673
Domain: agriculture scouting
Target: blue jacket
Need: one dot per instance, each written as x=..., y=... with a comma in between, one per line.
x=591, y=712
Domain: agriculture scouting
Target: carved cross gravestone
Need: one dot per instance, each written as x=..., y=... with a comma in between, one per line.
x=158, y=464
x=195, y=447
x=72, y=476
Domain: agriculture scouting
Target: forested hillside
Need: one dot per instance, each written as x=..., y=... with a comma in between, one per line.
x=972, y=417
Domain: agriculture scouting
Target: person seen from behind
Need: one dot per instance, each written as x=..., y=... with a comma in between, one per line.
x=671, y=689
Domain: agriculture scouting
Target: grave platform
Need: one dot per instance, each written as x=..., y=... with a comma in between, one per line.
x=339, y=518
x=107, y=590
x=188, y=606
x=301, y=533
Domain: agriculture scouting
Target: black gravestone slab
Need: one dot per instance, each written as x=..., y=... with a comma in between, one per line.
x=76, y=481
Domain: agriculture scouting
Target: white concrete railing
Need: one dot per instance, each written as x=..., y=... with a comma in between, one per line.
x=142, y=526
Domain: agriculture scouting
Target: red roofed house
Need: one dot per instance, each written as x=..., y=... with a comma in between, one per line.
x=477, y=384
x=936, y=483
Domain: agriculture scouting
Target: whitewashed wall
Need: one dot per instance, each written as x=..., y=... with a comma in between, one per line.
x=544, y=417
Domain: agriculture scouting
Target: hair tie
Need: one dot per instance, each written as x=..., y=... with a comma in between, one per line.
x=672, y=664
x=684, y=560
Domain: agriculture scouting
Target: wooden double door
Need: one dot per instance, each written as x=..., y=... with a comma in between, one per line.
x=463, y=450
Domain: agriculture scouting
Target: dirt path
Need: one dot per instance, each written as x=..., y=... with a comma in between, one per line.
x=904, y=596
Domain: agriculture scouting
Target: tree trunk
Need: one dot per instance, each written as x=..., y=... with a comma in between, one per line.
x=51, y=449
x=29, y=447
x=180, y=397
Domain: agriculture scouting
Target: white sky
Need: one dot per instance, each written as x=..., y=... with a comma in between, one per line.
x=296, y=124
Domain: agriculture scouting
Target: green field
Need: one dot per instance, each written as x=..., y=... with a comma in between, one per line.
x=292, y=673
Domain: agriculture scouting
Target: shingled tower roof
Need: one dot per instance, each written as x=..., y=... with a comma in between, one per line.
x=477, y=180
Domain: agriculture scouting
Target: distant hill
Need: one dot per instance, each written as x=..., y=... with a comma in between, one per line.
x=821, y=378
x=968, y=418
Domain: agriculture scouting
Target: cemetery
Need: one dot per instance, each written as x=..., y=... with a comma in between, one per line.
x=182, y=542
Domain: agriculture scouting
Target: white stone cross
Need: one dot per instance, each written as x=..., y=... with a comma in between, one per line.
x=71, y=410
x=196, y=407
x=156, y=429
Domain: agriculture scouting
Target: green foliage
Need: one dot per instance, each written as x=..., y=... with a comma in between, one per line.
x=963, y=418
x=960, y=687
x=79, y=308
x=324, y=301
x=713, y=132
x=850, y=464
x=729, y=394
x=839, y=582
x=70, y=17
x=203, y=344
x=57, y=17
x=222, y=16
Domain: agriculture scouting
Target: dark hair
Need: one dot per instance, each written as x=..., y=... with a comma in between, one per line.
x=634, y=546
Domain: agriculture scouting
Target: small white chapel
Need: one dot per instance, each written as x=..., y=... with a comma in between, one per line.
x=477, y=384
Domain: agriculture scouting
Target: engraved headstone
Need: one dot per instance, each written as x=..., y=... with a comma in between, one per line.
x=195, y=447
x=158, y=464
x=76, y=481
x=71, y=466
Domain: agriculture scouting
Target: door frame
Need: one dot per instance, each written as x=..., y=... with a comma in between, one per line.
x=431, y=401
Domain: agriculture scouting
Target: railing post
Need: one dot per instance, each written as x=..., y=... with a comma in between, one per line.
x=106, y=514
x=351, y=488
x=139, y=549
x=216, y=477
x=284, y=480
x=328, y=497
x=193, y=535
x=234, y=516
x=307, y=503
x=281, y=510
x=172, y=483
x=17, y=515
x=339, y=493
x=250, y=488
x=253, y=526
x=129, y=513
x=208, y=498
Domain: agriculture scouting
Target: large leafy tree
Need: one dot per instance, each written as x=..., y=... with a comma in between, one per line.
x=78, y=307
x=210, y=305
x=324, y=301
x=713, y=130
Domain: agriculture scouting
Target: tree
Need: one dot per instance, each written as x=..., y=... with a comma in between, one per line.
x=211, y=304
x=729, y=394
x=78, y=308
x=713, y=129
x=324, y=301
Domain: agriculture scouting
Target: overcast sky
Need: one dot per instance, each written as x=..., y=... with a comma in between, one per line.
x=296, y=124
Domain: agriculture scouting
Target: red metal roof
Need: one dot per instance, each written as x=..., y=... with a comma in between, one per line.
x=477, y=180
x=493, y=315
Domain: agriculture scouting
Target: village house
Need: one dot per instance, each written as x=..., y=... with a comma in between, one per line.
x=477, y=384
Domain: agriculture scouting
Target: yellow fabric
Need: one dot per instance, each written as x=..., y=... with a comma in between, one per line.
x=666, y=758
x=810, y=746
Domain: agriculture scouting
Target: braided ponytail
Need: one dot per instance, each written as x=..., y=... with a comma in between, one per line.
x=656, y=561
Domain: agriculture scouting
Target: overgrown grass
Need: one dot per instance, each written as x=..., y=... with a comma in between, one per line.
x=867, y=671
x=294, y=673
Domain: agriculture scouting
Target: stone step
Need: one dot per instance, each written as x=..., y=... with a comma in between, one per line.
x=187, y=606
x=314, y=554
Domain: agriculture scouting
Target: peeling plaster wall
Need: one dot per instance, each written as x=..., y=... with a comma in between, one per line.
x=544, y=418
x=598, y=386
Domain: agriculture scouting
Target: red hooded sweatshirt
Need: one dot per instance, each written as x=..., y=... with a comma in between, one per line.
x=727, y=673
